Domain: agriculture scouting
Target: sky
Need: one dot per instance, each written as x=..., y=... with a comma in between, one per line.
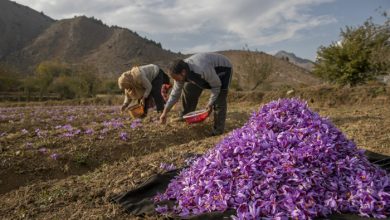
x=187, y=26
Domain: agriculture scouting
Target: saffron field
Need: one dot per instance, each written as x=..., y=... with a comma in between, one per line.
x=65, y=162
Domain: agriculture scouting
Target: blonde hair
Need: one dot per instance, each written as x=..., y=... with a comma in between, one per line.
x=128, y=79
x=124, y=81
x=131, y=82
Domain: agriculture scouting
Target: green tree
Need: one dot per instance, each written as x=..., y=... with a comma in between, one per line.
x=80, y=81
x=110, y=86
x=65, y=86
x=362, y=54
x=30, y=85
x=88, y=81
x=46, y=72
x=10, y=79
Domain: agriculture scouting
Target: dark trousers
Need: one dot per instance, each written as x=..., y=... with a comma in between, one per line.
x=192, y=92
x=155, y=94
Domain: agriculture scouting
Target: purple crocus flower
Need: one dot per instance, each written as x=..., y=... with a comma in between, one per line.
x=136, y=123
x=123, y=136
x=167, y=167
x=104, y=131
x=54, y=156
x=68, y=134
x=40, y=133
x=42, y=150
x=89, y=131
x=70, y=118
x=67, y=127
x=76, y=132
x=162, y=209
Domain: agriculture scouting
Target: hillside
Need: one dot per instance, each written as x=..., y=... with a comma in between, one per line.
x=249, y=66
x=111, y=50
x=89, y=41
x=292, y=58
x=19, y=25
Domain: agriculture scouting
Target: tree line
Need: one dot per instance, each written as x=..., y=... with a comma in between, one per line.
x=55, y=77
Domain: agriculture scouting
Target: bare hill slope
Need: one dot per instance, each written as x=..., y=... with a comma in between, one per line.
x=250, y=67
x=89, y=41
x=19, y=25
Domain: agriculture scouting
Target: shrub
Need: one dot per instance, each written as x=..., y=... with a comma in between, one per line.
x=253, y=72
x=362, y=54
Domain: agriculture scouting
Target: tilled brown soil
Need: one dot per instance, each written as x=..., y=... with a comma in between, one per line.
x=21, y=165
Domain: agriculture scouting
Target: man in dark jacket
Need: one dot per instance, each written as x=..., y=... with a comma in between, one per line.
x=201, y=71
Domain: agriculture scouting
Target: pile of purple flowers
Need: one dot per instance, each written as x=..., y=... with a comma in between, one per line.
x=285, y=162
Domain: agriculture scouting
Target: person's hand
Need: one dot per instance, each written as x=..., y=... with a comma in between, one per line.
x=163, y=118
x=142, y=101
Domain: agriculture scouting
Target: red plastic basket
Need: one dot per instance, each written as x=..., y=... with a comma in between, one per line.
x=196, y=116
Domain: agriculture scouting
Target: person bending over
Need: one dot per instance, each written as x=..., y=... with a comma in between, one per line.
x=143, y=83
x=201, y=71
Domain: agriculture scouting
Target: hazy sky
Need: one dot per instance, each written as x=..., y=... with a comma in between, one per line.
x=188, y=26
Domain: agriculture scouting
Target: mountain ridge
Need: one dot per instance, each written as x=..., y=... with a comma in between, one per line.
x=292, y=58
x=19, y=25
x=87, y=40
